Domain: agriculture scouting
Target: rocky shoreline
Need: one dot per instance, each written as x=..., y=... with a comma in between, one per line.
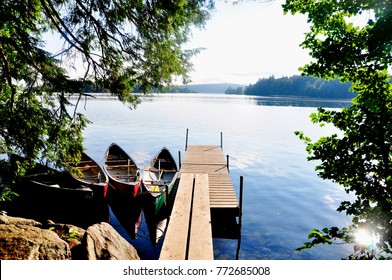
x=27, y=239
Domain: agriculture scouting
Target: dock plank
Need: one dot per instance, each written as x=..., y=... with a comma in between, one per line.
x=200, y=243
x=176, y=239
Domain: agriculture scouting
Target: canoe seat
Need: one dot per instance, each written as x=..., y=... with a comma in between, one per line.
x=85, y=167
x=85, y=161
x=156, y=170
x=124, y=177
x=90, y=177
x=119, y=166
x=157, y=182
x=117, y=161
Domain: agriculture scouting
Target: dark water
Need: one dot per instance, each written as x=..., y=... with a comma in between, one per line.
x=283, y=197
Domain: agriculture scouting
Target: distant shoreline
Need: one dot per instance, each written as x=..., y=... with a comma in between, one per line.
x=277, y=98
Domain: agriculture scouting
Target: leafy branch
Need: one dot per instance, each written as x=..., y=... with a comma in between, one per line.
x=360, y=157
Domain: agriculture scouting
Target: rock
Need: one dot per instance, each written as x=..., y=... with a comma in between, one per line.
x=23, y=239
x=7, y=220
x=103, y=242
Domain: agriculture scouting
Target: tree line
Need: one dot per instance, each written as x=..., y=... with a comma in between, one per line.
x=297, y=86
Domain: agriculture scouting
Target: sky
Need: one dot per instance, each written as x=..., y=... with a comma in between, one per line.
x=248, y=41
x=241, y=43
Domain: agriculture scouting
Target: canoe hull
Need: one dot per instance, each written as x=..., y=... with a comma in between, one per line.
x=159, y=178
x=123, y=173
x=127, y=209
x=156, y=211
x=60, y=198
x=50, y=194
x=123, y=188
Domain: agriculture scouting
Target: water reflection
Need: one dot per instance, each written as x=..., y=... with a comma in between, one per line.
x=291, y=101
x=302, y=102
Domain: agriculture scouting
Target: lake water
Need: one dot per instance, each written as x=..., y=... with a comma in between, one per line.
x=283, y=197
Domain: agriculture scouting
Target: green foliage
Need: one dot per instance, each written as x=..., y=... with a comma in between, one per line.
x=66, y=233
x=325, y=236
x=122, y=43
x=360, y=158
x=6, y=195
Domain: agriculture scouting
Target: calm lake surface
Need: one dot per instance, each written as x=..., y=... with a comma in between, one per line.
x=283, y=197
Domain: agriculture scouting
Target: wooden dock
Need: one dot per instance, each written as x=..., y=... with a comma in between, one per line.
x=188, y=236
x=209, y=159
x=205, y=200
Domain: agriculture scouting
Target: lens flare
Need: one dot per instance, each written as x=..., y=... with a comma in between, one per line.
x=365, y=238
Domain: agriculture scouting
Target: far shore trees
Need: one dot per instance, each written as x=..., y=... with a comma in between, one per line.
x=302, y=86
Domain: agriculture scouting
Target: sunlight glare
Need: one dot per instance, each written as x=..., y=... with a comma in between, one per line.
x=365, y=238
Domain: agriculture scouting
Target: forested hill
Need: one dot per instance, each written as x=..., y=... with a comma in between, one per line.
x=297, y=86
x=206, y=88
x=196, y=88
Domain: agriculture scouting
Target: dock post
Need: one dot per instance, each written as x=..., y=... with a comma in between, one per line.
x=227, y=163
x=186, y=140
x=179, y=160
x=241, y=193
x=240, y=217
x=221, y=140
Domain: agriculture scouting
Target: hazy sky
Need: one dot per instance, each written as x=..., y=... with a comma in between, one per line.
x=248, y=41
x=242, y=42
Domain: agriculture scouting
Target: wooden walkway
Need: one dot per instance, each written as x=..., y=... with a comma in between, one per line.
x=209, y=159
x=188, y=236
x=205, y=188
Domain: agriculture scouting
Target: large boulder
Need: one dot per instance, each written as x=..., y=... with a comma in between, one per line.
x=23, y=239
x=103, y=242
x=26, y=239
